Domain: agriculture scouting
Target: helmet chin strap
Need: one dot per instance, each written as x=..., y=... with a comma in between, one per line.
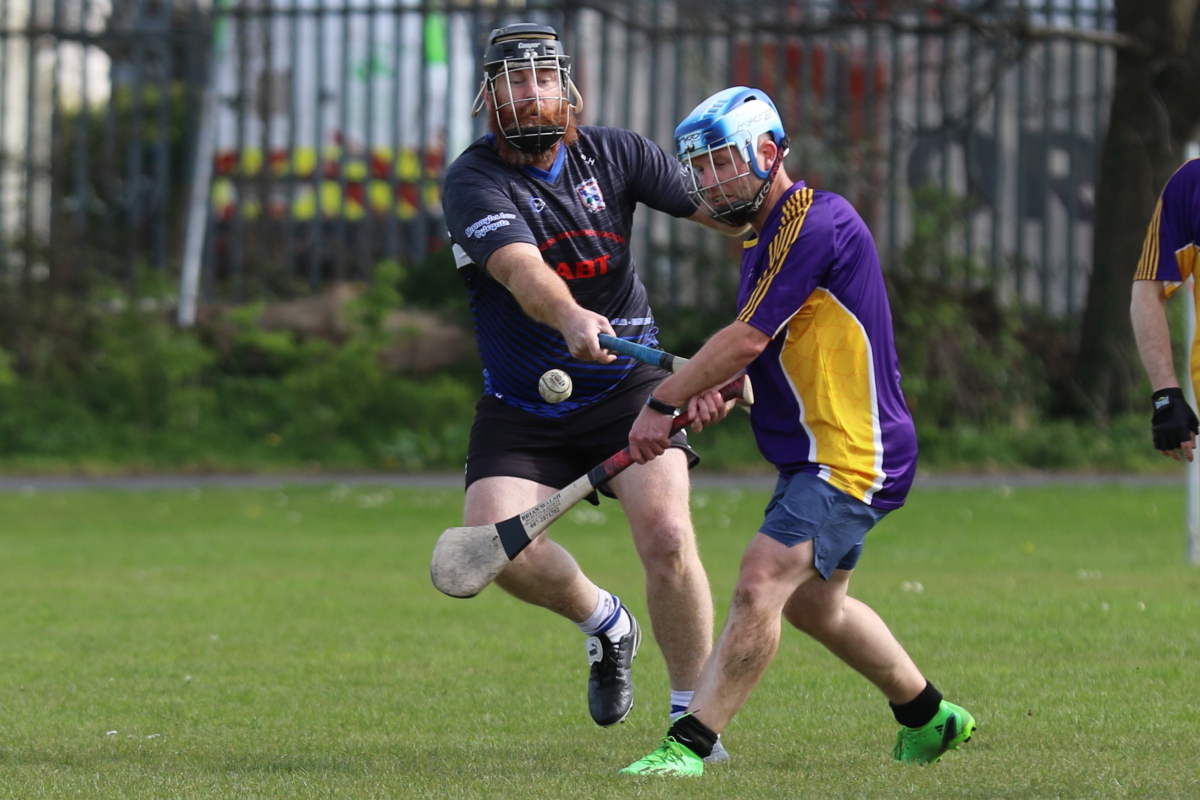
x=742, y=213
x=576, y=105
x=477, y=104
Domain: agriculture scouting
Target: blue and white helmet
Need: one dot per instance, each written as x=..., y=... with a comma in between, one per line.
x=733, y=119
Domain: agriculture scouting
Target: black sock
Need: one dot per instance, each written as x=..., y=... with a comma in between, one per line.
x=920, y=710
x=694, y=735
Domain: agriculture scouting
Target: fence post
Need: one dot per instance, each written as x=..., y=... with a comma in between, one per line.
x=198, y=202
x=1193, y=466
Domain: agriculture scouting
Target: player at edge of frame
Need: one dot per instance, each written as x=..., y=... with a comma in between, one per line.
x=1170, y=255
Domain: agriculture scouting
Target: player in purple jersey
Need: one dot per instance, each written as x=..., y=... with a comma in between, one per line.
x=1170, y=256
x=814, y=332
x=540, y=211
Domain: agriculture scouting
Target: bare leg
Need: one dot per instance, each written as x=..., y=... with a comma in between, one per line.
x=655, y=499
x=769, y=575
x=544, y=574
x=853, y=632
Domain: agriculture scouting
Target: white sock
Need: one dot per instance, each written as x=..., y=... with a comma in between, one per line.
x=679, y=703
x=608, y=617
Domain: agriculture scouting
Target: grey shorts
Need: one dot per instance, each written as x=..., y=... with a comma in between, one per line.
x=805, y=507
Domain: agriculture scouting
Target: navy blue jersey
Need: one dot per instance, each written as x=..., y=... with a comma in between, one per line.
x=579, y=215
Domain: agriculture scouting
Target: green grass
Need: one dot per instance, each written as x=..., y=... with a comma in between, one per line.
x=288, y=644
x=56, y=445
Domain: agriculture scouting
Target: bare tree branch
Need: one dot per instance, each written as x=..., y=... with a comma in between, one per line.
x=1019, y=26
x=914, y=18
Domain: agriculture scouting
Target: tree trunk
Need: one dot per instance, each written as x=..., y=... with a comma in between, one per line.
x=1155, y=108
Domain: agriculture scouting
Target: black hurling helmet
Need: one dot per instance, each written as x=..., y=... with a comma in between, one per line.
x=536, y=48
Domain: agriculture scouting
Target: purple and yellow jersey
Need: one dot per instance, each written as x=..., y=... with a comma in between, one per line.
x=1171, y=251
x=828, y=384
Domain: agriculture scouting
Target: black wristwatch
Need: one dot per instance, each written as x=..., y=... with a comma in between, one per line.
x=654, y=404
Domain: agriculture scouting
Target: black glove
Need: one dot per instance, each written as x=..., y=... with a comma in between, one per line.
x=1173, y=419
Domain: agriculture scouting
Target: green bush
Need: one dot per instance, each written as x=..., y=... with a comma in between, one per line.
x=1050, y=445
x=98, y=385
x=146, y=393
x=964, y=359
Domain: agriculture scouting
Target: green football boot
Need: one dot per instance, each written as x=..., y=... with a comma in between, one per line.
x=950, y=727
x=671, y=758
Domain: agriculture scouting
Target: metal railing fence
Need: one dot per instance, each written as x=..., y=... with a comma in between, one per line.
x=96, y=102
x=969, y=146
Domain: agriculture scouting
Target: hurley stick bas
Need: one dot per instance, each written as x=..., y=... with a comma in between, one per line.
x=465, y=560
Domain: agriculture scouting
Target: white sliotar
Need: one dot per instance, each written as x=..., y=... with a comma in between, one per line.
x=555, y=386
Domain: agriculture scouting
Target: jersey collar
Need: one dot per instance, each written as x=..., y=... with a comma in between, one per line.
x=777, y=211
x=773, y=217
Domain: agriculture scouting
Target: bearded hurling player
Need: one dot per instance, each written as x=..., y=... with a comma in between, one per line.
x=540, y=211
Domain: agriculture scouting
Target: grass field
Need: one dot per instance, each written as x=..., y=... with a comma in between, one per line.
x=288, y=644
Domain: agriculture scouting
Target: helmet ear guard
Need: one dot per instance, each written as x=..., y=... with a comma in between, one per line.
x=752, y=161
x=527, y=46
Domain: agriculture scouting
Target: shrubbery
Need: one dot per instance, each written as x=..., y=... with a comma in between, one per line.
x=85, y=386
x=144, y=393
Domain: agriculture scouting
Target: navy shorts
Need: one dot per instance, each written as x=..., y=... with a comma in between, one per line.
x=805, y=507
x=507, y=441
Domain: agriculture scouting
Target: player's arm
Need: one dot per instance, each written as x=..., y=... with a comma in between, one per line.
x=721, y=359
x=1173, y=425
x=1147, y=310
x=708, y=222
x=544, y=296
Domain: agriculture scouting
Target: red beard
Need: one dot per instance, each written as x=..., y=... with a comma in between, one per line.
x=531, y=118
